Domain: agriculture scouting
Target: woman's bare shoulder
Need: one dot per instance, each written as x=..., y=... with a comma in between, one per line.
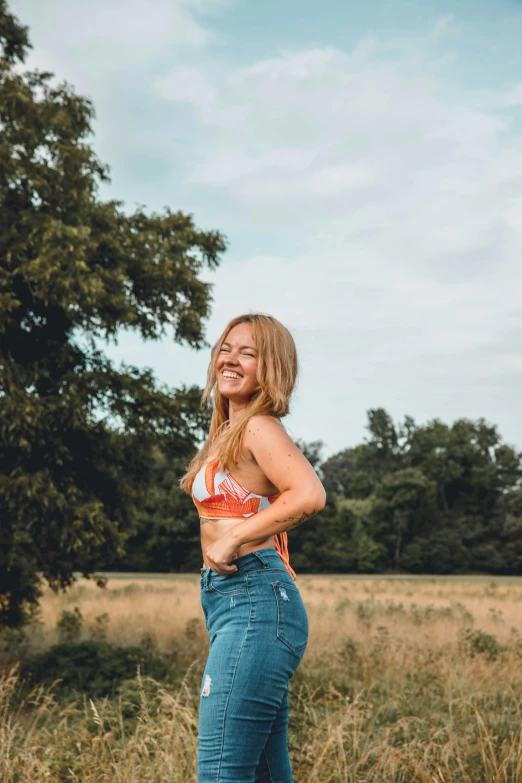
x=263, y=430
x=264, y=423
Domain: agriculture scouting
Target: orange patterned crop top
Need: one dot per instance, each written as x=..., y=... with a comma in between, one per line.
x=217, y=495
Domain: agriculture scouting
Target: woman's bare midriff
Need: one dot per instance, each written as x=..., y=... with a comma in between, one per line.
x=212, y=529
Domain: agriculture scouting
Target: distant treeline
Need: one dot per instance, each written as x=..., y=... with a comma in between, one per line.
x=415, y=499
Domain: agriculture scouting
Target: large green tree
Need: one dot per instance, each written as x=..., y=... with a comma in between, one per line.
x=77, y=434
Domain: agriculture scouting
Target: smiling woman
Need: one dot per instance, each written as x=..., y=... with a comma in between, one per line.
x=254, y=613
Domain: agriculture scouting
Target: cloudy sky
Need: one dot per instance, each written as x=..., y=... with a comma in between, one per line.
x=365, y=163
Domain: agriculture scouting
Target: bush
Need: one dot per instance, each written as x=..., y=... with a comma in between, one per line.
x=94, y=667
x=14, y=644
x=98, y=631
x=69, y=626
x=480, y=643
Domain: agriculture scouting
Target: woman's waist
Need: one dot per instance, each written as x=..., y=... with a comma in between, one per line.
x=264, y=559
x=214, y=529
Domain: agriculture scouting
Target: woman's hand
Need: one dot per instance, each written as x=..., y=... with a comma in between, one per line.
x=220, y=553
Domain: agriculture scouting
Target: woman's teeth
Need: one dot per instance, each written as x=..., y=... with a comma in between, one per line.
x=231, y=375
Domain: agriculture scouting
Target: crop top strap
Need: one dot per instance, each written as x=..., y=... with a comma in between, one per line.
x=281, y=546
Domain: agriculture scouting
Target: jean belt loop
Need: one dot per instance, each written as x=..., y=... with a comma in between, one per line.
x=262, y=558
x=205, y=573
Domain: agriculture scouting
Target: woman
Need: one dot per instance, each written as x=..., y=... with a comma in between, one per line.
x=254, y=614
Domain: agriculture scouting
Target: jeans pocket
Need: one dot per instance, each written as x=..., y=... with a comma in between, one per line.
x=292, y=620
x=228, y=584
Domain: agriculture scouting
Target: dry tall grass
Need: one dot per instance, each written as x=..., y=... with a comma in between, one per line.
x=416, y=680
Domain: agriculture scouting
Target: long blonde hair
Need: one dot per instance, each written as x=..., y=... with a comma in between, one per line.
x=276, y=374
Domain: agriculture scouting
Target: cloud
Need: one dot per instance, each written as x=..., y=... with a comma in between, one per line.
x=111, y=51
x=94, y=43
x=442, y=24
x=186, y=84
x=513, y=216
x=132, y=29
x=358, y=143
x=514, y=96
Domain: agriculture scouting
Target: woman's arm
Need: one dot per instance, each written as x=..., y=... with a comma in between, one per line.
x=301, y=493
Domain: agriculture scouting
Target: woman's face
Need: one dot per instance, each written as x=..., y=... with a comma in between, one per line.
x=236, y=364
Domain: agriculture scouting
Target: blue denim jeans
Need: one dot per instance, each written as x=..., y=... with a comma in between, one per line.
x=258, y=630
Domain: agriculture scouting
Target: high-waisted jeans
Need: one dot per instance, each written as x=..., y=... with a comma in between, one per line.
x=258, y=629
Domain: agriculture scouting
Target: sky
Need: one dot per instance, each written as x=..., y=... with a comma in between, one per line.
x=365, y=164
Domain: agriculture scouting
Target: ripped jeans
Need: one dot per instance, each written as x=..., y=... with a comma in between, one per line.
x=258, y=630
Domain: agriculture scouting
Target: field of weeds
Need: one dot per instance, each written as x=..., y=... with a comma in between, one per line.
x=404, y=680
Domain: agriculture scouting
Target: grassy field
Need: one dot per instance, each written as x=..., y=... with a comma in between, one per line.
x=404, y=679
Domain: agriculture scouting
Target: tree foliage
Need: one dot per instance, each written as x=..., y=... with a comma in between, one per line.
x=77, y=434
x=422, y=499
